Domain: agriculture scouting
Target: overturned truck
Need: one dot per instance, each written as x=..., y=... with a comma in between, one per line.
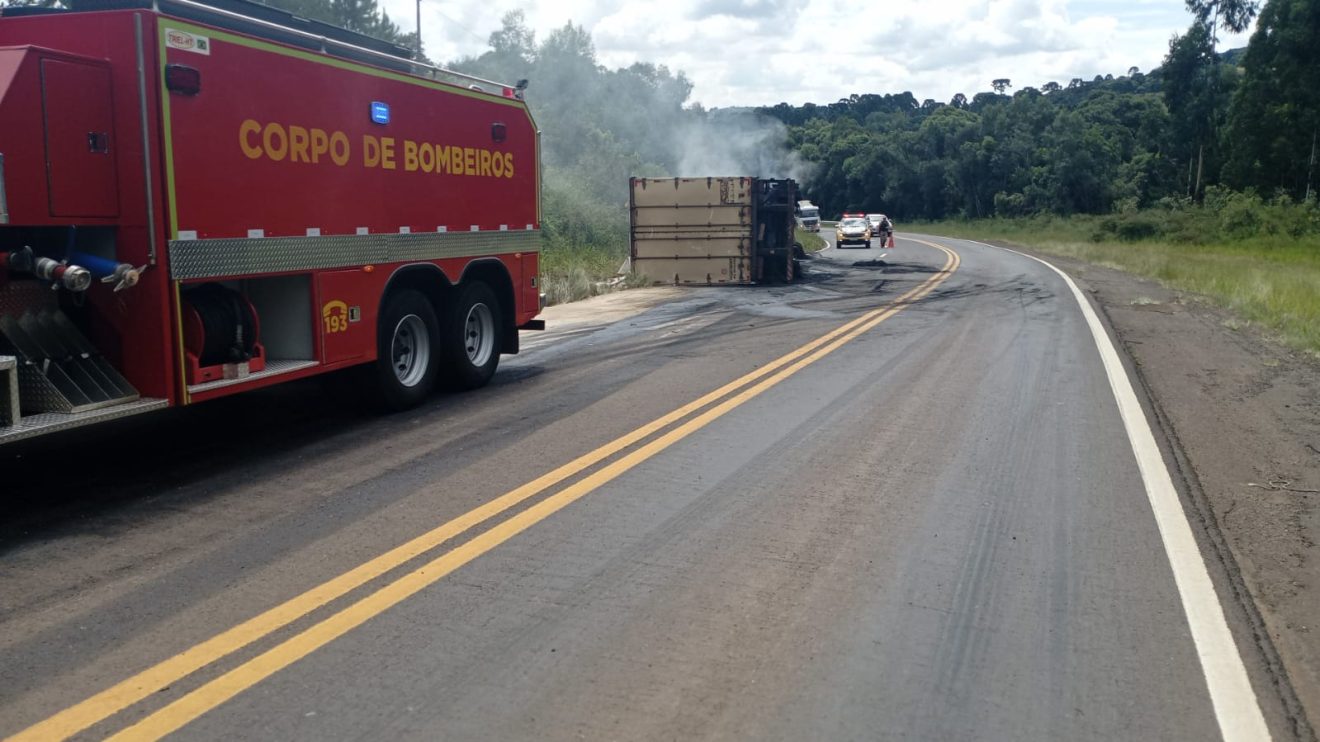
x=713, y=231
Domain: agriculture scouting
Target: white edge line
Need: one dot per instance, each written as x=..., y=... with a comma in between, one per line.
x=1236, y=707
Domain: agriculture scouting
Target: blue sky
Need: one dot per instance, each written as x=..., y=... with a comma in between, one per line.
x=761, y=52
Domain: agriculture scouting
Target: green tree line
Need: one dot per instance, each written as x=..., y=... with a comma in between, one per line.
x=1243, y=120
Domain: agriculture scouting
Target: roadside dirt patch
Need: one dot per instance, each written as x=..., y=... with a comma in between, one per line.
x=1243, y=413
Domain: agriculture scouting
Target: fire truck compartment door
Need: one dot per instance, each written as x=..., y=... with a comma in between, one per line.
x=80, y=142
x=347, y=315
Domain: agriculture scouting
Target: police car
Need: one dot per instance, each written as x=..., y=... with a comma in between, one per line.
x=853, y=229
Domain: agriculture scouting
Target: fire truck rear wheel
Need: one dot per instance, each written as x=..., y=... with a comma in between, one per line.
x=407, y=350
x=471, y=337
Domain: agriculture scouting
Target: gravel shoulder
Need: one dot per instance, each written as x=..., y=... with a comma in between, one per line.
x=1242, y=412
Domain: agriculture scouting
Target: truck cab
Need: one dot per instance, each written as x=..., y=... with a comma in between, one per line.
x=808, y=216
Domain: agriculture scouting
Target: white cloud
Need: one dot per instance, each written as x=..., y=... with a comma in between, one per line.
x=761, y=52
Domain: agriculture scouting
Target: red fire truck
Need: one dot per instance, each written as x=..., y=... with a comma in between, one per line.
x=197, y=200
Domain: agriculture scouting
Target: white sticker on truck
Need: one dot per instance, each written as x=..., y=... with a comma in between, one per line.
x=189, y=42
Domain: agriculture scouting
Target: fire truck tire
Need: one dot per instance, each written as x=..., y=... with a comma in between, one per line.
x=407, y=350
x=471, y=337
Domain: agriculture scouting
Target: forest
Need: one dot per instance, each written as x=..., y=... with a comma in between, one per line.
x=1245, y=120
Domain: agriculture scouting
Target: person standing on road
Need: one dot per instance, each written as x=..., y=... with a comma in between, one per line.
x=886, y=231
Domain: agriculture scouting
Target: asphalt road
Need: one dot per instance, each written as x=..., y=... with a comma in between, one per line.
x=930, y=525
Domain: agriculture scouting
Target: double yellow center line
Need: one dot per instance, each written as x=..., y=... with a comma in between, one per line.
x=211, y=694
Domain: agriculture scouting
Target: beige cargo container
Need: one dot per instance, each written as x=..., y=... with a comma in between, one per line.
x=712, y=231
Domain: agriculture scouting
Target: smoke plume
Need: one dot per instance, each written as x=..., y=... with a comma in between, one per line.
x=736, y=142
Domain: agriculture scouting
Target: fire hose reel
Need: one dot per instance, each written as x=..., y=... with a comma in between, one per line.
x=221, y=334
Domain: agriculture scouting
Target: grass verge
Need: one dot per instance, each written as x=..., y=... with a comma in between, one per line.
x=575, y=272
x=1271, y=280
x=810, y=241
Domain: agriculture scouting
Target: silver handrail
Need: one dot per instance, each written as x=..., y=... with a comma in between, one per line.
x=324, y=41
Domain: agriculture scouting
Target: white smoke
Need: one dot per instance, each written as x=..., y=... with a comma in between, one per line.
x=737, y=142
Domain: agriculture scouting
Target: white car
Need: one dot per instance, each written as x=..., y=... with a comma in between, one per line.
x=881, y=227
